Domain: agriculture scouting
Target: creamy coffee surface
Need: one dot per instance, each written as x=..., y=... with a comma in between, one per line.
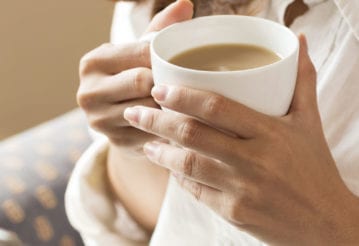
x=225, y=57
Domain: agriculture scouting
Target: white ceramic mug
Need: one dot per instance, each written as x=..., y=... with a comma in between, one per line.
x=267, y=89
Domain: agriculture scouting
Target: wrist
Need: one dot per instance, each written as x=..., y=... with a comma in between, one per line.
x=137, y=184
x=128, y=165
x=345, y=228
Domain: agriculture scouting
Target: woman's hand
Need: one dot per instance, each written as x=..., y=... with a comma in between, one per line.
x=273, y=177
x=114, y=77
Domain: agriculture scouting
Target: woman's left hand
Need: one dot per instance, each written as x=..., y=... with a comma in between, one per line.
x=273, y=177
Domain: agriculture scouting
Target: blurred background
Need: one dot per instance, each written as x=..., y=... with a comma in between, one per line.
x=41, y=42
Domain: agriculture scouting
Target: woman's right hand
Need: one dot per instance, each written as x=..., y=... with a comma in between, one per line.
x=114, y=77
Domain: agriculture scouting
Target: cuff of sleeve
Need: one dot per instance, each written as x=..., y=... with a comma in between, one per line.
x=8, y=238
x=90, y=207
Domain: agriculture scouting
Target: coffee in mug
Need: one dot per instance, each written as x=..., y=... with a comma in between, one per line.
x=225, y=57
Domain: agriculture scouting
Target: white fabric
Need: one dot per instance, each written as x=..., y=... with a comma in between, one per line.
x=123, y=29
x=350, y=12
x=89, y=205
x=332, y=29
x=8, y=238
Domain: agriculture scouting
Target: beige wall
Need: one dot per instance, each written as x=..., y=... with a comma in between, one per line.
x=41, y=42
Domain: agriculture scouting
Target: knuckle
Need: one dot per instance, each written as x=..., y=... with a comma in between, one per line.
x=144, y=51
x=90, y=93
x=86, y=99
x=178, y=95
x=188, y=164
x=147, y=120
x=92, y=60
x=279, y=134
x=271, y=129
x=214, y=105
x=233, y=212
x=188, y=132
x=236, y=209
x=87, y=63
x=142, y=80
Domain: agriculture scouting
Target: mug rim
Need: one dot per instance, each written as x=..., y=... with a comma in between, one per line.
x=204, y=18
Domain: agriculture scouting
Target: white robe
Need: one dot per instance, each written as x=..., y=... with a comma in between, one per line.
x=332, y=30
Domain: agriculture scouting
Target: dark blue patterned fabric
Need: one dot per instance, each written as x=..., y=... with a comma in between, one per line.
x=34, y=169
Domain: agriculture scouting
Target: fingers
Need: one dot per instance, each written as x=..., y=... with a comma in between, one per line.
x=187, y=132
x=109, y=59
x=178, y=11
x=127, y=85
x=132, y=83
x=117, y=76
x=129, y=137
x=109, y=121
x=112, y=59
x=211, y=197
x=305, y=91
x=111, y=116
x=189, y=164
x=221, y=202
x=214, y=109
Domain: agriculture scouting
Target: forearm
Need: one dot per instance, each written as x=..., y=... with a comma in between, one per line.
x=137, y=184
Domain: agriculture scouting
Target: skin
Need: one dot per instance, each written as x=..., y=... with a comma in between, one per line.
x=115, y=77
x=112, y=78
x=273, y=177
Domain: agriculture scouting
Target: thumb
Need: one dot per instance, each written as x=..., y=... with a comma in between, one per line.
x=305, y=98
x=178, y=11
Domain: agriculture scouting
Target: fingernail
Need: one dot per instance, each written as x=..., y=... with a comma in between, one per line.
x=151, y=148
x=159, y=92
x=189, y=1
x=132, y=115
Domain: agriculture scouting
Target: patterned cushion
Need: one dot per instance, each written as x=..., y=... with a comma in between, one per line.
x=34, y=169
